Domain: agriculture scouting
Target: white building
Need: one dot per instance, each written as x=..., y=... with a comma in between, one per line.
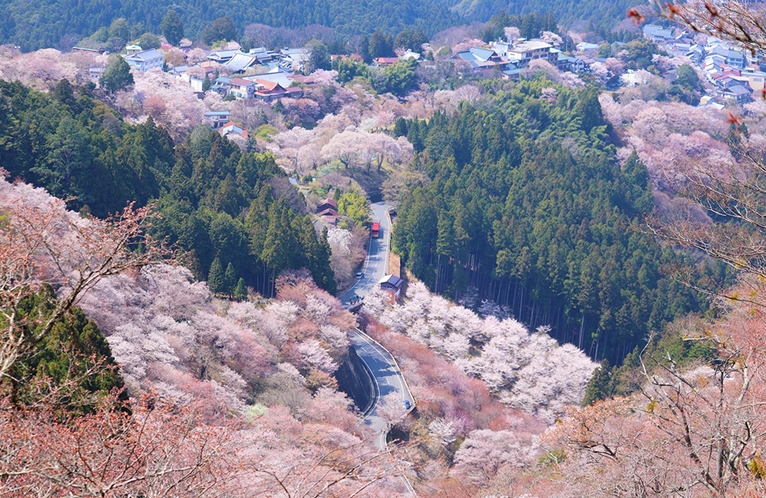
x=146, y=60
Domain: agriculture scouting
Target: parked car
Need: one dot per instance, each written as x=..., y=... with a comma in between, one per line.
x=359, y=274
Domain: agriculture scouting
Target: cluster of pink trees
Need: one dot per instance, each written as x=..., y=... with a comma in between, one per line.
x=169, y=335
x=44, y=68
x=348, y=251
x=228, y=399
x=167, y=99
x=526, y=370
x=458, y=421
x=696, y=430
x=670, y=136
x=43, y=243
x=345, y=138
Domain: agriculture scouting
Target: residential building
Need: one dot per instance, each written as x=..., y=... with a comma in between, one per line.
x=240, y=63
x=513, y=74
x=409, y=54
x=241, y=88
x=216, y=119
x=729, y=56
x=587, y=47
x=146, y=60
x=232, y=128
x=263, y=54
x=657, y=33
x=391, y=283
x=755, y=80
x=696, y=53
x=327, y=204
x=738, y=93
x=275, y=76
x=385, y=61
x=95, y=73
x=268, y=91
x=482, y=59
x=221, y=86
x=524, y=53
x=222, y=56
x=294, y=59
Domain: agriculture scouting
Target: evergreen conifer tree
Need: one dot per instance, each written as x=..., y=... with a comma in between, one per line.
x=229, y=279
x=240, y=292
x=216, y=280
x=600, y=386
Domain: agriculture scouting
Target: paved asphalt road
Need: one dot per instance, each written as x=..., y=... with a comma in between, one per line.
x=375, y=265
x=388, y=378
x=380, y=362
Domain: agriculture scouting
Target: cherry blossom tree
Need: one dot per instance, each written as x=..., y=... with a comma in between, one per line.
x=528, y=371
x=484, y=453
x=154, y=451
x=695, y=429
x=42, y=242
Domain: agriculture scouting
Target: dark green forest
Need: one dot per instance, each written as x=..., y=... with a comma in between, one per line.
x=54, y=23
x=61, y=366
x=528, y=205
x=61, y=23
x=600, y=15
x=215, y=201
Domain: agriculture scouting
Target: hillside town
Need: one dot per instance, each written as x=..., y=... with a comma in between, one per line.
x=728, y=75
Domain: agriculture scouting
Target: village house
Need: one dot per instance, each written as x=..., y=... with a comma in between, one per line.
x=736, y=92
x=385, y=61
x=294, y=59
x=262, y=54
x=240, y=88
x=240, y=63
x=524, y=53
x=409, y=54
x=728, y=56
x=391, y=283
x=570, y=63
x=268, y=91
x=221, y=86
x=217, y=119
x=146, y=60
x=657, y=33
x=95, y=74
x=326, y=204
x=482, y=59
x=514, y=73
x=755, y=79
x=222, y=56
x=586, y=47
x=327, y=211
x=232, y=128
x=302, y=80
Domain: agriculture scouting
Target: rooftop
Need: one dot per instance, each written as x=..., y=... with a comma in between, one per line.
x=240, y=62
x=531, y=45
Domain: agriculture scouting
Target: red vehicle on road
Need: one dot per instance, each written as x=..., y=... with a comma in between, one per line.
x=375, y=233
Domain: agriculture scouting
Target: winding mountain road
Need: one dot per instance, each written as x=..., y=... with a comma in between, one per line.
x=376, y=263
x=380, y=364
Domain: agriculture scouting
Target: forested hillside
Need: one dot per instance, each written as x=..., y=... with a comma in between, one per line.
x=598, y=13
x=34, y=25
x=218, y=204
x=55, y=23
x=528, y=206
